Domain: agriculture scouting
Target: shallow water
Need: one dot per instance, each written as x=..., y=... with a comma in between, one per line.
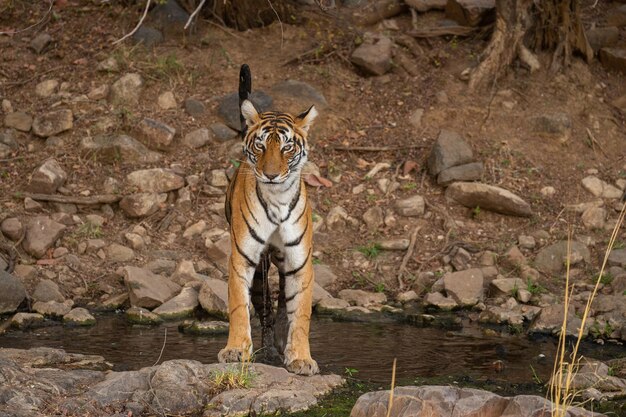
x=367, y=348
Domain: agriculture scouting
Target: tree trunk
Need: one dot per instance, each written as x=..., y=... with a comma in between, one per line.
x=552, y=25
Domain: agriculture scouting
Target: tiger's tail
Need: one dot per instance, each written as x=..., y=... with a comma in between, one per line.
x=245, y=89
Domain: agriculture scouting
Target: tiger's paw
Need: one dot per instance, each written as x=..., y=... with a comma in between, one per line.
x=228, y=355
x=303, y=367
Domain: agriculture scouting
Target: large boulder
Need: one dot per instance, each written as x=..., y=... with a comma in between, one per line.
x=155, y=180
x=465, y=287
x=488, y=197
x=213, y=297
x=374, y=54
x=551, y=259
x=12, y=292
x=146, y=289
x=41, y=234
x=449, y=150
x=182, y=305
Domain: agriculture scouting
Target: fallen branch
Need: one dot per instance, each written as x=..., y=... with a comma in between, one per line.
x=12, y=33
x=65, y=199
x=376, y=148
x=145, y=12
x=407, y=256
x=195, y=12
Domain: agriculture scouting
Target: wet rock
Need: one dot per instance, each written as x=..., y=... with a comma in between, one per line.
x=146, y=289
x=324, y=275
x=40, y=42
x=79, y=317
x=501, y=315
x=598, y=375
x=374, y=54
x=46, y=88
x=41, y=234
x=207, y=328
x=471, y=12
x=155, y=134
x=410, y=207
x=552, y=124
x=466, y=172
x=617, y=257
x=24, y=321
x=228, y=107
x=113, y=149
x=155, y=180
x=426, y=5
x=12, y=292
x=330, y=305
x=115, y=302
x=407, y=296
x=613, y=59
x=167, y=100
x=302, y=92
x=601, y=37
x=465, y=287
x=194, y=108
x=449, y=150
x=48, y=290
x=18, y=120
x=53, y=308
x=594, y=218
x=488, y=197
x=197, y=139
x=373, y=218
x=362, y=298
x=213, y=297
x=440, y=301
x=12, y=228
x=550, y=321
x=147, y=36
x=138, y=315
x=126, y=90
x=222, y=132
x=119, y=253
x=182, y=305
x=142, y=204
x=47, y=178
x=551, y=259
x=319, y=294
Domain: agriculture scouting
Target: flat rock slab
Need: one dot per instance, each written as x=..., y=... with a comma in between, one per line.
x=53, y=123
x=465, y=287
x=430, y=401
x=488, y=197
x=69, y=383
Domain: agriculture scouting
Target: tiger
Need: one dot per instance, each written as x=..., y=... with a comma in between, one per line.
x=270, y=220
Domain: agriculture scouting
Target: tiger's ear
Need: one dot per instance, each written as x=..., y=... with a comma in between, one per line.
x=304, y=120
x=249, y=113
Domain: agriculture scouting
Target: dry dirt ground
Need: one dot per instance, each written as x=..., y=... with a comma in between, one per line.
x=363, y=111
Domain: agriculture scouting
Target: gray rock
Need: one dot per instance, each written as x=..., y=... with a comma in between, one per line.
x=79, y=317
x=507, y=286
x=197, y=139
x=594, y=218
x=613, y=59
x=169, y=17
x=395, y=244
x=373, y=218
x=53, y=308
x=155, y=180
x=551, y=259
x=336, y=219
x=303, y=92
x=195, y=229
x=449, y=150
x=222, y=132
x=155, y=134
x=41, y=233
x=471, y=12
x=12, y=228
x=146, y=289
x=147, y=36
x=40, y=42
x=162, y=266
x=319, y=294
x=46, y=88
x=228, y=107
x=24, y=321
x=331, y=305
x=108, y=65
x=126, y=90
x=194, y=108
x=362, y=298
x=426, y=5
x=135, y=241
x=119, y=253
x=47, y=178
x=217, y=255
x=213, y=297
x=466, y=172
x=410, y=207
x=600, y=188
x=113, y=149
x=18, y=120
x=526, y=242
x=139, y=315
x=47, y=290
x=374, y=54
x=209, y=328
x=142, y=204
x=440, y=301
x=12, y=292
x=182, y=305
x=550, y=321
x=488, y=197
x=167, y=100
x=552, y=124
x=465, y=287
x=601, y=37
x=617, y=257
x=324, y=275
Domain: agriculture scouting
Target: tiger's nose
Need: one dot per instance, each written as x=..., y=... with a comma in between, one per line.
x=270, y=176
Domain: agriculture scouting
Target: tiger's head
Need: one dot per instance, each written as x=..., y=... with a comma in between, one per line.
x=275, y=144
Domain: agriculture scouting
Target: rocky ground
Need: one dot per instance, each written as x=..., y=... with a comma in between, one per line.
x=114, y=160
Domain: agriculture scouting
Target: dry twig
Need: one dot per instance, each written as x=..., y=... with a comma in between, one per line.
x=143, y=17
x=11, y=33
x=68, y=199
x=195, y=12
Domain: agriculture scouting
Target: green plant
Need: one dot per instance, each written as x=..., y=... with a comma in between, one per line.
x=533, y=287
x=371, y=251
x=380, y=287
x=235, y=163
x=316, y=261
x=606, y=278
x=476, y=211
x=88, y=230
x=233, y=377
x=408, y=185
x=536, y=377
x=611, y=371
x=516, y=329
x=351, y=371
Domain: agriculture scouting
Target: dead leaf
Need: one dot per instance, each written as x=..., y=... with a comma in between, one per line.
x=362, y=163
x=408, y=167
x=317, y=180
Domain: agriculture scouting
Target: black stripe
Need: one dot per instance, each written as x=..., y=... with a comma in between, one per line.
x=264, y=204
x=301, y=214
x=298, y=269
x=291, y=298
x=252, y=232
x=294, y=202
x=297, y=241
x=245, y=200
x=291, y=311
x=247, y=258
